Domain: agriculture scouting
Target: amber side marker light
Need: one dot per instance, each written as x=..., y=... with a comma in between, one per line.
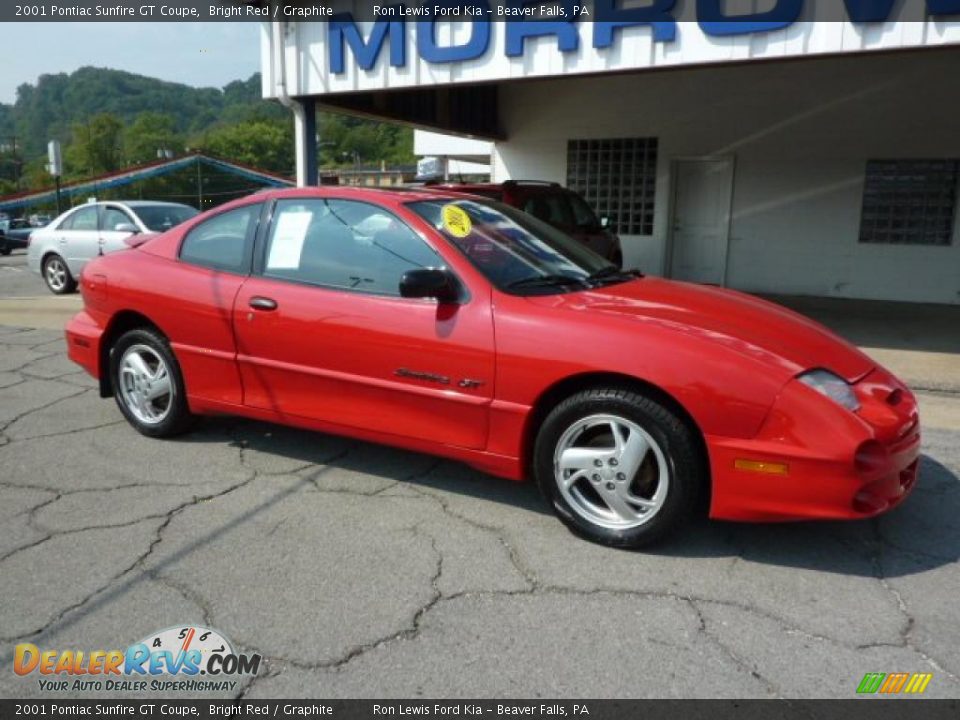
x=771, y=468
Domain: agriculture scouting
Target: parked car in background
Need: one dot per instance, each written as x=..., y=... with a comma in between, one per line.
x=464, y=327
x=59, y=251
x=554, y=204
x=14, y=235
x=39, y=221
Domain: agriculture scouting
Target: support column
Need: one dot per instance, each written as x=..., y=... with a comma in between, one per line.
x=305, y=133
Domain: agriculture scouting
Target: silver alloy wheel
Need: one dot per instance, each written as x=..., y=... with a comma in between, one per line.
x=611, y=472
x=56, y=274
x=145, y=386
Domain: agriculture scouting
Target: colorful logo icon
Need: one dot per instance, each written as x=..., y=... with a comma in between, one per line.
x=894, y=683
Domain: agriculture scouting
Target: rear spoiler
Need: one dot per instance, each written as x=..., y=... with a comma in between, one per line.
x=138, y=239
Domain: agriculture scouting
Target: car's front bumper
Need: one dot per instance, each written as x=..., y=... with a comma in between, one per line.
x=813, y=459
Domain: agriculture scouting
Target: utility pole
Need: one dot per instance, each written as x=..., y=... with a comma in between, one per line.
x=55, y=166
x=199, y=184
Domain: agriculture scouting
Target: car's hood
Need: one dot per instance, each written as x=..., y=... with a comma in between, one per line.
x=749, y=324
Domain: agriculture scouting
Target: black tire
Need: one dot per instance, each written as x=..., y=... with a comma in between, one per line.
x=6, y=250
x=68, y=284
x=178, y=418
x=679, y=449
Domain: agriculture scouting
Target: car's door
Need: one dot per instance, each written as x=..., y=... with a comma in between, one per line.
x=323, y=333
x=79, y=238
x=111, y=218
x=214, y=261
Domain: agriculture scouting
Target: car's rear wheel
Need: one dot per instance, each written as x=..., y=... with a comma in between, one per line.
x=6, y=250
x=57, y=275
x=619, y=468
x=148, y=384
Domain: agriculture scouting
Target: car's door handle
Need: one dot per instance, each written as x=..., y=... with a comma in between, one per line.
x=262, y=303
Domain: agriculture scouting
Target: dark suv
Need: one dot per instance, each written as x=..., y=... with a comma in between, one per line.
x=553, y=204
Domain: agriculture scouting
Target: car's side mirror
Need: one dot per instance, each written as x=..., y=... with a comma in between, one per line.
x=604, y=222
x=429, y=283
x=127, y=228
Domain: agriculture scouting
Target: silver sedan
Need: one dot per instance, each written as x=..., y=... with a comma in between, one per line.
x=59, y=251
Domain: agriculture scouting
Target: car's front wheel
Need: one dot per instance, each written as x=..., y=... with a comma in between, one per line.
x=57, y=275
x=619, y=468
x=148, y=385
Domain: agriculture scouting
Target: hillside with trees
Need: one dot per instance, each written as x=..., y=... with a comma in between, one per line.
x=109, y=119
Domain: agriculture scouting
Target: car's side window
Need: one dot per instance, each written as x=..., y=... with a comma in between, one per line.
x=343, y=244
x=223, y=242
x=112, y=217
x=582, y=214
x=83, y=219
x=549, y=207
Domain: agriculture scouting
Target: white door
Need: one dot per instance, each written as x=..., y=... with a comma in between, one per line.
x=80, y=238
x=703, y=190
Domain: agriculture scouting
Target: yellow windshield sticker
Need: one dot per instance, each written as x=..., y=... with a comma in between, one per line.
x=456, y=221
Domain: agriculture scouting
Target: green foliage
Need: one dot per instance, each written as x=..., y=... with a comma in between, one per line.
x=344, y=139
x=149, y=134
x=95, y=148
x=109, y=119
x=265, y=144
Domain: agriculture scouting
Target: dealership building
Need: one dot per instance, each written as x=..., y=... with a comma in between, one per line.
x=763, y=151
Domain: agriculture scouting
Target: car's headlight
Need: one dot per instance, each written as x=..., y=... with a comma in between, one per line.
x=833, y=386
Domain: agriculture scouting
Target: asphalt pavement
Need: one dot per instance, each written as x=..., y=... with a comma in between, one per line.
x=362, y=571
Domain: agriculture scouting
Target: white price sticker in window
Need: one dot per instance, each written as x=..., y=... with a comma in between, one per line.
x=288, y=235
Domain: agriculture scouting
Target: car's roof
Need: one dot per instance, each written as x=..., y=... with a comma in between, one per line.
x=144, y=203
x=389, y=195
x=470, y=186
x=529, y=187
x=128, y=203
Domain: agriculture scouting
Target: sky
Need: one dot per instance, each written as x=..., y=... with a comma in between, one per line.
x=198, y=54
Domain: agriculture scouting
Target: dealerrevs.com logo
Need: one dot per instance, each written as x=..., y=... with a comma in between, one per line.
x=187, y=658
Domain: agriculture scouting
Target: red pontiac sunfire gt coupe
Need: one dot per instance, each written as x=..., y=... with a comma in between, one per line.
x=466, y=328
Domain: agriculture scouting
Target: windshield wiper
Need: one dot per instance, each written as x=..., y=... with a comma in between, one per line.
x=607, y=272
x=545, y=281
x=612, y=272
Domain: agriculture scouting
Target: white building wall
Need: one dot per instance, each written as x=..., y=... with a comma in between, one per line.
x=308, y=72
x=801, y=133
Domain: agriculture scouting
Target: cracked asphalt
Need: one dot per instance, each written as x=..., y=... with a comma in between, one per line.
x=362, y=571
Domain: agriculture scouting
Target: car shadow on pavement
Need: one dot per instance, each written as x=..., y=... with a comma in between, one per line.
x=922, y=534
x=306, y=447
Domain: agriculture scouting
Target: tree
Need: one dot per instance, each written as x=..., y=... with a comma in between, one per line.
x=96, y=146
x=148, y=133
x=265, y=144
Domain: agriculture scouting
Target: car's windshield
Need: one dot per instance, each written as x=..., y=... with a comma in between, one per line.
x=515, y=251
x=161, y=218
